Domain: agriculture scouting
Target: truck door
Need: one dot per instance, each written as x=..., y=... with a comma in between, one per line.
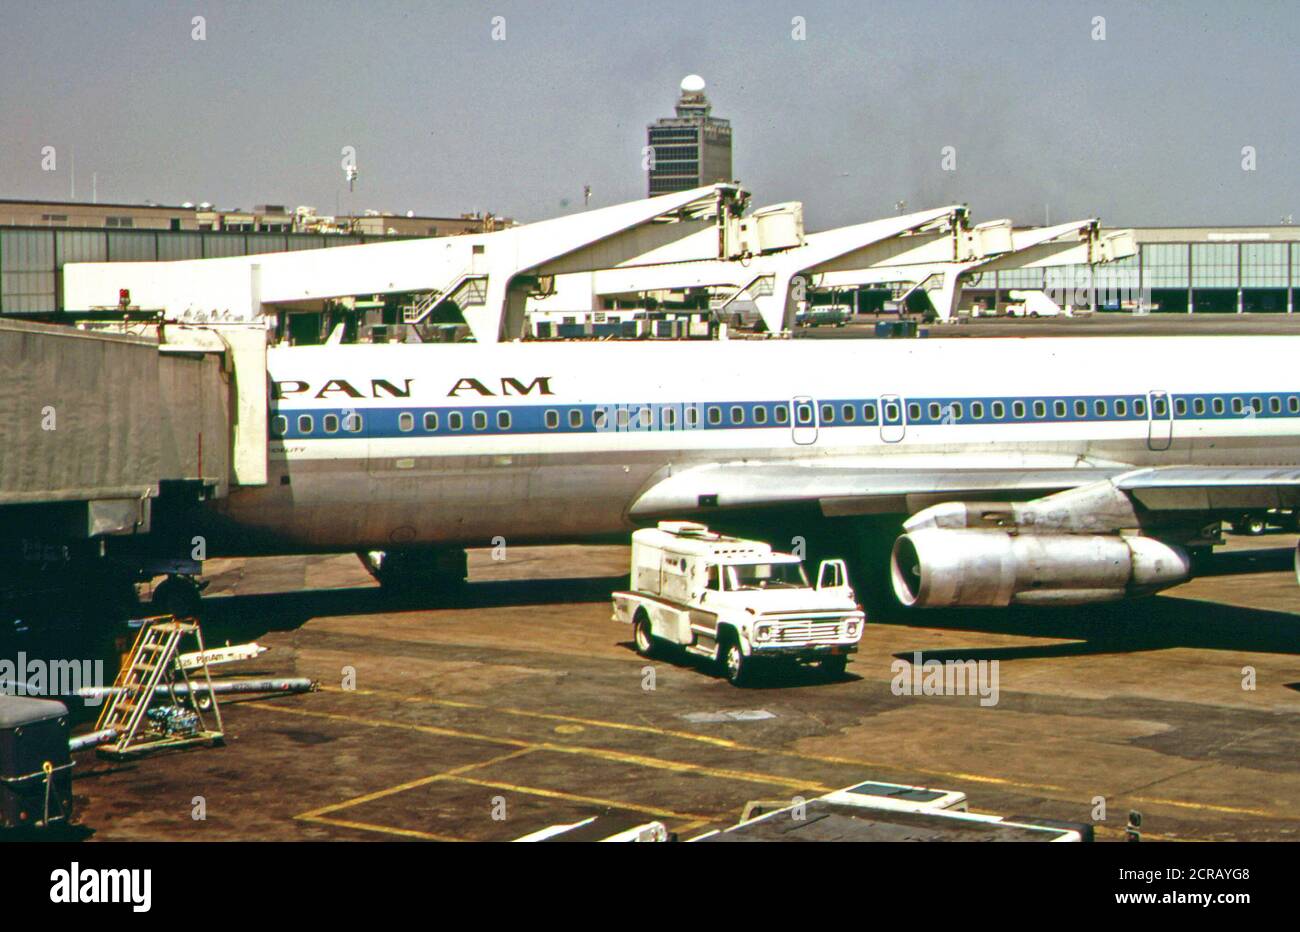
x=1160, y=420
x=893, y=420
x=803, y=419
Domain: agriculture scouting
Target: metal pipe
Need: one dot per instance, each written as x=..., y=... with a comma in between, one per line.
x=94, y=739
x=219, y=688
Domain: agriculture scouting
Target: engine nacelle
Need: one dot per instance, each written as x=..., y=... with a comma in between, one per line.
x=939, y=567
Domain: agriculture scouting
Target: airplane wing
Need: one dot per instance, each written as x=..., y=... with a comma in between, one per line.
x=843, y=490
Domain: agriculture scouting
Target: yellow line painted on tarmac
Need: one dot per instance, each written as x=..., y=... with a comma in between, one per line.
x=575, y=798
x=1229, y=810
x=410, y=785
x=368, y=827
x=599, y=753
x=726, y=743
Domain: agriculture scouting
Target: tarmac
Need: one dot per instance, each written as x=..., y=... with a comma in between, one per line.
x=517, y=703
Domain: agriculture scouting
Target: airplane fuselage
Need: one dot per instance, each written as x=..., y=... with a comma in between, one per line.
x=378, y=446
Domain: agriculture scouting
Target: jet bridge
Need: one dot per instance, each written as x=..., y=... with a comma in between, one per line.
x=987, y=247
x=92, y=425
x=489, y=275
x=930, y=249
x=765, y=264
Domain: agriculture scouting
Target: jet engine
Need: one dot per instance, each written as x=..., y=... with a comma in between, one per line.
x=938, y=567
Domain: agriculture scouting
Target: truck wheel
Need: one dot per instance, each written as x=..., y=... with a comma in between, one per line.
x=1250, y=525
x=737, y=667
x=835, y=665
x=641, y=636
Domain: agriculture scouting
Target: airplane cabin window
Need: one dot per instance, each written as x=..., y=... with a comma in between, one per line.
x=782, y=414
x=455, y=420
x=479, y=419
x=828, y=414
x=668, y=417
x=1198, y=405
x=645, y=417
x=1081, y=408
x=692, y=416
x=1139, y=407
x=999, y=410
x=330, y=423
x=599, y=418
x=869, y=413
x=913, y=411
x=1237, y=406
x=737, y=414
x=954, y=411
x=575, y=418
x=715, y=414
x=430, y=420
x=760, y=414
x=279, y=426
x=1040, y=409
x=935, y=412
x=304, y=424
x=1018, y=409
x=1058, y=408
x=1121, y=407
x=406, y=422
x=553, y=419
x=1217, y=404
x=503, y=420
x=1275, y=405
x=1257, y=405
x=624, y=419
x=977, y=410
x=1099, y=408
x=1180, y=407
x=352, y=423
x=1293, y=404
x=848, y=413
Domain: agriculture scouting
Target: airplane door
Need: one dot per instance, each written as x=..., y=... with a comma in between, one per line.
x=803, y=419
x=1160, y=420
x=893, y=423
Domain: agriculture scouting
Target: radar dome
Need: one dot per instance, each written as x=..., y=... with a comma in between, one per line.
x=692, y=84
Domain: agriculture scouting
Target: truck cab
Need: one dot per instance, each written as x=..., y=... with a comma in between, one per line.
x=736, y=602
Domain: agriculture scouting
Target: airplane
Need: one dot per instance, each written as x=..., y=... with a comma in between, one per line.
x=948, y=472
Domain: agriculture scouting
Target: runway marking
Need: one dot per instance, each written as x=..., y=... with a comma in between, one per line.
x=725, y=743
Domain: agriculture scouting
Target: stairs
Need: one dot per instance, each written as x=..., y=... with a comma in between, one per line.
x=468, y=289
x=133, y=711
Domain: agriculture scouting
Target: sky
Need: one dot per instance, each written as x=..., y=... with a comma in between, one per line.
x=1145, y=112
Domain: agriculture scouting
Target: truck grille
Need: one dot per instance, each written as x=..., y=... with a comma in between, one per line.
x=816, y=632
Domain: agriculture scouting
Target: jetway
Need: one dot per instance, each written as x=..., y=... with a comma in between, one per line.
x=770, y=275
x=987, y=247
x=92, y=425
x=489, y=275
x=931, y=249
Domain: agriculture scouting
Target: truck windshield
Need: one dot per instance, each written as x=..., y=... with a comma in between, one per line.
x=767, y=576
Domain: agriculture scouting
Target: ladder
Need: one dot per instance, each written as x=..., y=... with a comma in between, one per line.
x=151, y=673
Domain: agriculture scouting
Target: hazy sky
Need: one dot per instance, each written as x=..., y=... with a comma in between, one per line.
x=1145, y=127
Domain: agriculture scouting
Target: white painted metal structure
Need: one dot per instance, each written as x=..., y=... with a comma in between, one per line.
x=933, y=247
x=506, y=264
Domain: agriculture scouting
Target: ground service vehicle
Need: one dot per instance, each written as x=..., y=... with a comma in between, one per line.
x=736, y=602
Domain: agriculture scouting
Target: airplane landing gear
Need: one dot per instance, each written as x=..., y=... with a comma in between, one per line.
x=179, y=595
x=424, y=569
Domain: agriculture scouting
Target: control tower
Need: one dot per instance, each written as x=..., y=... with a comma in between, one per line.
x=690, y=149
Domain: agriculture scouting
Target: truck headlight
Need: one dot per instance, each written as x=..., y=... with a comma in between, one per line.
x=764, y=632
x=851, y=629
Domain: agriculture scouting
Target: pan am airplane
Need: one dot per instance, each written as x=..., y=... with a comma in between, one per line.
x=1022, y=471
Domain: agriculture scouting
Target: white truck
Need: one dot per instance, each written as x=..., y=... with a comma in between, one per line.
x=737, y=602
